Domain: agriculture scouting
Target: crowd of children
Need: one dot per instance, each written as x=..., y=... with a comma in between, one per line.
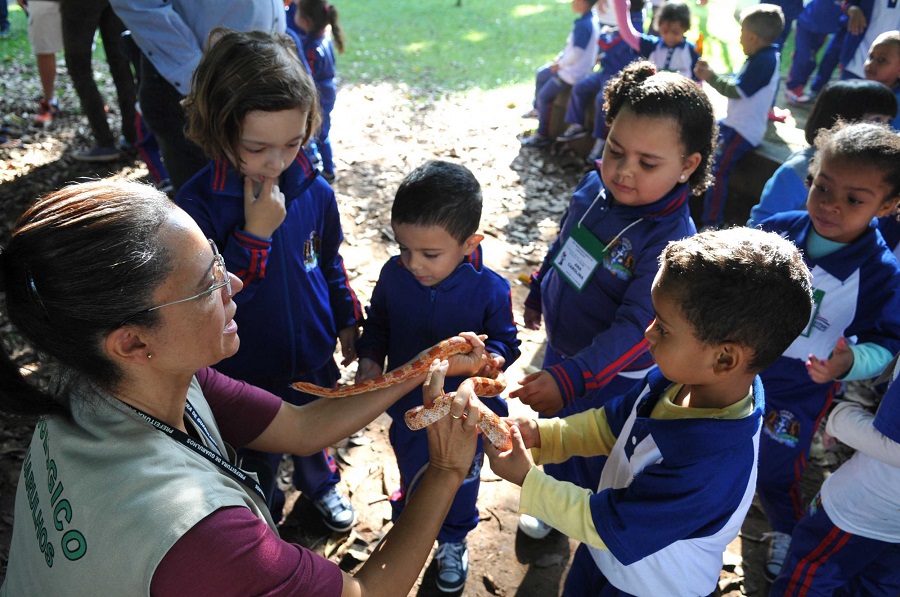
x=684, y=372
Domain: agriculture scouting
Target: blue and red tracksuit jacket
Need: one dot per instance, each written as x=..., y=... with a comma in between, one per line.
x=406, y=318
x=296, y=292
x=600, y=329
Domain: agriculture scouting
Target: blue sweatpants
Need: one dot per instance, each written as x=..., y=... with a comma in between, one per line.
x=793, y=412
x=807, y=45
x=830, y=60
x=547, y=86
x=584, y=471
x=589, y=89
x=730, y=148
x=411, y=451
x=823, y=560
x=313, y=475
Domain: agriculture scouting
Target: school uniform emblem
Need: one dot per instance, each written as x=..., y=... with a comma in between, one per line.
x=311, y=247
x=783, y=427
x=619, y=259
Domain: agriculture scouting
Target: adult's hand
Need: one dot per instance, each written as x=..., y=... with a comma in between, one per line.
x=452, y=439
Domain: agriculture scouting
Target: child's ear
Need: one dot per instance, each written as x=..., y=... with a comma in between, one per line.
x=888, y=206
x=690, y=164
x=471, y=243
x=730, y=357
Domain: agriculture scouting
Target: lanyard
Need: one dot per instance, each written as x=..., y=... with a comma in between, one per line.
x=621, y=232
x=214, y=457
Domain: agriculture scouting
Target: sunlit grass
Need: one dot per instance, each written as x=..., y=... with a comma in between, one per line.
x=437, y=46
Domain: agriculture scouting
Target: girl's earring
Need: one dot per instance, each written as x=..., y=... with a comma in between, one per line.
x=149, y=356
x=682, y=177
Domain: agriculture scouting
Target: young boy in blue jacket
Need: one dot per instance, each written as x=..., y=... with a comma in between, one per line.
x=682, y=444
x=437, y=287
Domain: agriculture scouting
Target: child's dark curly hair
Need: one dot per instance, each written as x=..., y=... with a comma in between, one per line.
x=645, y=92
x=862, y=143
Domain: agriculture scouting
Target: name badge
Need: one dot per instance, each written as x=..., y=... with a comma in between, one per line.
x=579, y=257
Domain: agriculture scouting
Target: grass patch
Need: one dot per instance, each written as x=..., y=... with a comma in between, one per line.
x=438, y=46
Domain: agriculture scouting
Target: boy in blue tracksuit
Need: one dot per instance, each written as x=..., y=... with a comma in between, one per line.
x=436, y=288
x=682, y=443
x=750, y=94
x=574, y=62
x=855, y=327
x=277, y=224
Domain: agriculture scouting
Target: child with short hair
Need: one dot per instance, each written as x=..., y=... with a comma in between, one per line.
x=848, y=543
x=682, y=443
x=883, y=65
x=574, y=62
x=437, y=286
x=855, y=328
x=593, y=288
x=750, y=93
x=251, y=107
x=669, y=51
x=310, y=20
x=614, y=55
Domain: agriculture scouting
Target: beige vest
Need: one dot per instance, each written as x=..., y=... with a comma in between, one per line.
x=103, y=496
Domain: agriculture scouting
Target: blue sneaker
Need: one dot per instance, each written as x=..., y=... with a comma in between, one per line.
x=337, y=513
x=453, y=566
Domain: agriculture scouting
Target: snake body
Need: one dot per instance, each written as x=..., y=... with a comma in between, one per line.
x=417, y=418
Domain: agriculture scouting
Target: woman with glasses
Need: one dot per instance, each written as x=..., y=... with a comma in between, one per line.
x=130, y=485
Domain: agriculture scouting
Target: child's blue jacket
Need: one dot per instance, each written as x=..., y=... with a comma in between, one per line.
x=296, y=293
x=406, y=317
x=600, y=330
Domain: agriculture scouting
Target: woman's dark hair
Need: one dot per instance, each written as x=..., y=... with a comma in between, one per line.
x=864, y=144
x=243, y=72
x=848, y=100
x=321, y=14
x=79, y=262
x=645, y=92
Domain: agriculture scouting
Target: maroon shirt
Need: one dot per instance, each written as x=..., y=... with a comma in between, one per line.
x=231, y=551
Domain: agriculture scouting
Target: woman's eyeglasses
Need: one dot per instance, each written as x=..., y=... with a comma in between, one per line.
x=221, y=279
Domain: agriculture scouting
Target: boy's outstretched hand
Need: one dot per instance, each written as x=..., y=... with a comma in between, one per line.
x=837, y=365
x=540, y=392
x=514, y=464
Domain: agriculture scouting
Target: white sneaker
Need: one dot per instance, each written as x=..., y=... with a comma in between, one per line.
x=453, y=566
x=533, y=527
x=575, y=131
x=778, y=548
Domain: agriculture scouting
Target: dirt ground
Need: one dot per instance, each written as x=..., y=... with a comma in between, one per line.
x=380, y=133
